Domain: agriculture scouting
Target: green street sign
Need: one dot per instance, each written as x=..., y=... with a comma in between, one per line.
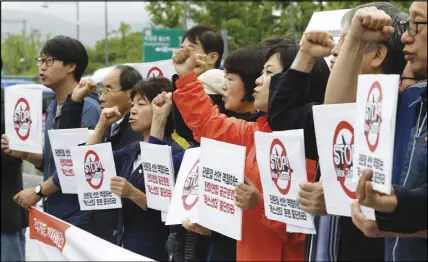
x=161, y=44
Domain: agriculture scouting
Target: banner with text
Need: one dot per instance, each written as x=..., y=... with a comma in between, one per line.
x=23, y=119
x=222, y=169
x=282, y=164
x=185, y=195
x=94, y=167
x=61, y=142
x=52, y=239
x=377, y=97
x=158, y=175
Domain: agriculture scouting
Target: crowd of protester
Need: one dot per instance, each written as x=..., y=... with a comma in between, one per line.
x=270, y=86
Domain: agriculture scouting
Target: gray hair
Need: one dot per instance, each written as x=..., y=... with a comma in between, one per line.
x=394, y=62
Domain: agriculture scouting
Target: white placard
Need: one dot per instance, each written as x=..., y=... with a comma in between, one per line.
x=377, y=97
x=23, y=119
x=334, y=129
x=222, y=169
x=94, y=167
x=158, y=175
x=185, y=195
x=282, y=165
x=329, y=21
x=62, y=140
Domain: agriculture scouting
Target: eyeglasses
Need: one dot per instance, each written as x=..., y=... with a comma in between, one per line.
x=410, y=26
x=49, y=61
x=106, y=91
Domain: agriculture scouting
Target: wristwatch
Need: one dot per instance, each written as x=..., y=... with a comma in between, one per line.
x=38, y=191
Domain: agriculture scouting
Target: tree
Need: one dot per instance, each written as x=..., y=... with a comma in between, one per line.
x=166, y=14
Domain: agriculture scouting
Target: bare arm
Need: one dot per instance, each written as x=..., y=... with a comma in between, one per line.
x=342, y=84
x=419, y=234
x=97, y=136
x=35, y=159
x=49, y=187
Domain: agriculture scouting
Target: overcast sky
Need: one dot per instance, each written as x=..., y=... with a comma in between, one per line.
x=92, y=12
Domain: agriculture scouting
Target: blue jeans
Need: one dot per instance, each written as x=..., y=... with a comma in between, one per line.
x=13, y=246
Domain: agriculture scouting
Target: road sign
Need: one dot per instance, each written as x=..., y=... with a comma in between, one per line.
x=160, y=44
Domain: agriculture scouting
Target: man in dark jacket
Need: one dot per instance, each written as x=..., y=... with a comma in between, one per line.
x=14, y=219
x=116, y=92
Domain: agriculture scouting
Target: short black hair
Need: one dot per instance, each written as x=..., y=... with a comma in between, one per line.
x=149, y=89
x=210, y=39
x=394, y=62
x=287, y=51
x=128, y=77
x=247, y=62
x=68, y=50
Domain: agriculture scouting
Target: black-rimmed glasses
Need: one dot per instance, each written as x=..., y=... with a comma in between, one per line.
x=410, y=26
x=49, y=61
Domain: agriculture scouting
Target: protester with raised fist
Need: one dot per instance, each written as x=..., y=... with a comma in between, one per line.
x=262, y=239
x=138, y=228
x=62, y=62
x=412, y=174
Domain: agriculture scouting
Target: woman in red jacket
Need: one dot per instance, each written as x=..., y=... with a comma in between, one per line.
x=262, y=239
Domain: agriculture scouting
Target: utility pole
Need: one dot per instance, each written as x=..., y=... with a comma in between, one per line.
x=185, y=14
x=106, y=33
x=293, y=28
x=77, y=21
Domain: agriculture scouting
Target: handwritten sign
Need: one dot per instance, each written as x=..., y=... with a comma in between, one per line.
x=61, y=142
x=281, y=160
x=222, y=169
x=23, y=119
x=158, y=175
x=94, y=167
x=377, y=97
x=185, y=195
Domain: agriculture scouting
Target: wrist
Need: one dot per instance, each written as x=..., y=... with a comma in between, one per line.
x=27, y=156
x=133, y=194
x=304, y=62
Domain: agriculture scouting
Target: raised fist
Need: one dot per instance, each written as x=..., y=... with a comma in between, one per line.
x=186, y=61
x=371, y=24
x=109, y=116
x=83, y=89
x=161, y=106
x=317, y=44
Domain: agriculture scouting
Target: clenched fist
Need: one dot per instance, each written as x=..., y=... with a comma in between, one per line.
x=109, y=116
x=161, y=106
x=371, y=24
x=82, y=90
x=317, y=44
x=186, y=61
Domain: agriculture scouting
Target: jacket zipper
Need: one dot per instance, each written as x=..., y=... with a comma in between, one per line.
x=417, y=134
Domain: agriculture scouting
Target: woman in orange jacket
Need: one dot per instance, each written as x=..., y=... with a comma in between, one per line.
x=262, y=239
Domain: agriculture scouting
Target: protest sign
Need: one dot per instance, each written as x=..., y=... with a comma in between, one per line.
x=185, y=195
x=23, y=119
x=375, y=128
x=158, y=175
x=94, y=167
x=52, y=239
x=334, y=130
x=61, y=142
x=222, y=169
x=282, y=165
x=329, y=21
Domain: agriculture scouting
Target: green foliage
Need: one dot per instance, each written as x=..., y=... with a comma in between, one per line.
x=124, y=47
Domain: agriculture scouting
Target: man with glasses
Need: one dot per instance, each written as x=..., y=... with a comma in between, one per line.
x=115, y=92
x=62, y=62
x=372, y=24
